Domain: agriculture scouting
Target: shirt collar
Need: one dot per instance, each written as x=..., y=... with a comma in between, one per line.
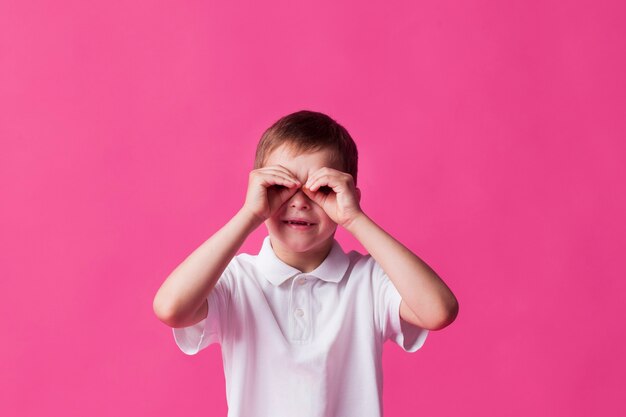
x=332, y=269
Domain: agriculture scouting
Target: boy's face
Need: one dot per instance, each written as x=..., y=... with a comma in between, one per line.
x=289, y=239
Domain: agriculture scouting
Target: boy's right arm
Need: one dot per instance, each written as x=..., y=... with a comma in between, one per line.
x=181, y=300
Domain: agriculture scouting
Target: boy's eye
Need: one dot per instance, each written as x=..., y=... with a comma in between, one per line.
x=325, y=189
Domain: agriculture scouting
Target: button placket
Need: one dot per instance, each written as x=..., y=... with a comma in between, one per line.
x=300, y=319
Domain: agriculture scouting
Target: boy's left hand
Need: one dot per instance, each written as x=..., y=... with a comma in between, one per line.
x=336, y=193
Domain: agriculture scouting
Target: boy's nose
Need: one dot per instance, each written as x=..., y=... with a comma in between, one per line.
x=300, y=201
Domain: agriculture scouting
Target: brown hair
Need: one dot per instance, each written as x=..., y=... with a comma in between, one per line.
x=309, y=131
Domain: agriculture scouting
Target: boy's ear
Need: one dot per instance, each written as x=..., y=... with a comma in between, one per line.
x=358, y=194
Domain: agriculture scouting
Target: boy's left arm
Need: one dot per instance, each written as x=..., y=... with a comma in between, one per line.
x=427, y=301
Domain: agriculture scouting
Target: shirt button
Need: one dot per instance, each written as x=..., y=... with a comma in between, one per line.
x=302, y=281
x=299, y=312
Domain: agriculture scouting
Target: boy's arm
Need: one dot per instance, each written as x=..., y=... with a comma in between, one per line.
x=426, y=300
x=181, y=300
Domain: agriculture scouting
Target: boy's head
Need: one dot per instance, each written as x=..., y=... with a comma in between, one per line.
x=308, y=131
x=304, y=142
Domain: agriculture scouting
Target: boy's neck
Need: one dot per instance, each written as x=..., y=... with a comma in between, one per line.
x=304, y=261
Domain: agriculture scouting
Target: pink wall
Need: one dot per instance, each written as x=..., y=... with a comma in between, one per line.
x=492, y=143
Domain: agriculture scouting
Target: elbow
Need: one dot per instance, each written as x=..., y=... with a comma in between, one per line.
x=166, y=312
x=176, y=313
x=440, y=316
x=448, y=313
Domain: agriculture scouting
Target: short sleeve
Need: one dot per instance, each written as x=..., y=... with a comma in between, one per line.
x=196, y=337
x=408, y=336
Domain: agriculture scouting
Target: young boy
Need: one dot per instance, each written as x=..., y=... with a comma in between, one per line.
x=302, y=324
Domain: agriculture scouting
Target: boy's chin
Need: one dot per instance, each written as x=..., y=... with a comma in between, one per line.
x=300, y=244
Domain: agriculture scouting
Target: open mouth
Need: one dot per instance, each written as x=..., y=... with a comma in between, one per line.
x=298, y=223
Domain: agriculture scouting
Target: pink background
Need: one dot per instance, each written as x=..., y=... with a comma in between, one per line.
x=491, y=137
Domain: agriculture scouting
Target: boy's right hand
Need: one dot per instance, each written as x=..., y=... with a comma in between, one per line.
x=268, y=189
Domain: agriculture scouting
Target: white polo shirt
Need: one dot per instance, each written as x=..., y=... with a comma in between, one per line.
x=302, y=344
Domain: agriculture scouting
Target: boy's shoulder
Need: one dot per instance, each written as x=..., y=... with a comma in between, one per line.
x=362, y=260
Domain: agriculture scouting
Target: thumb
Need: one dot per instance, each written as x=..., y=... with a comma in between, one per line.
x=286, y=193
x=317, y=197
x=280, y=196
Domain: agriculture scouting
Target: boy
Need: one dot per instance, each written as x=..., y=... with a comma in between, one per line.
x=301, y=325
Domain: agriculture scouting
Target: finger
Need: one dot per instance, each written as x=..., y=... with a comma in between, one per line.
x=323, y=172
x=281, y=179
x=268, y=180
x=277, y=170
x=282, y=169
x=331, y=181
x=314, y=176
x=321, y=188
x=281, y=196
x=317, y=197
